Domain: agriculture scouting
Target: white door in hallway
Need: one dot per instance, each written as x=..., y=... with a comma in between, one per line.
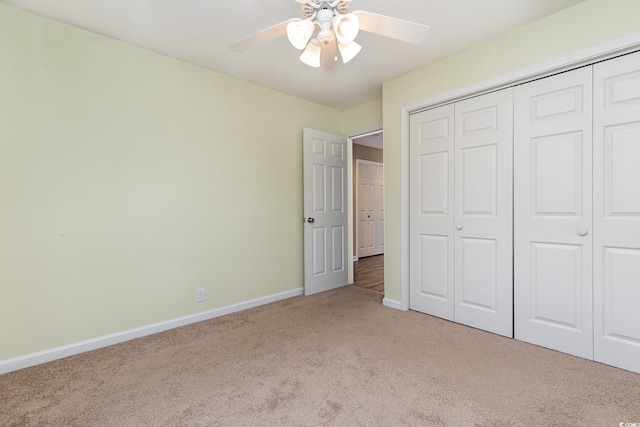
x=431, y=212
x=483, y=212
x=553, y=212
x=370, y=208
x=616, y=234
x=325, y=210
x=380, y=208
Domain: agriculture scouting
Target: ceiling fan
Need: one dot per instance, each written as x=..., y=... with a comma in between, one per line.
x=329, y=27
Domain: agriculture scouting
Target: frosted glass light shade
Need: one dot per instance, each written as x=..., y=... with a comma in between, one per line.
x=348, y=51
x=311, y=55
x=299, y=32
x=346, y=27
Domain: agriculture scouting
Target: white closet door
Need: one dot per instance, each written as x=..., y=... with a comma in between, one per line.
x=431, y=212
x=553, y=213
x=616, y=234
x=483, y=212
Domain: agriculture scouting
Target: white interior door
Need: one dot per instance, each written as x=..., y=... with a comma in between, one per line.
x=325, y=210
x=380, y=209
x=616, y=234
x=553, y=212
x=483, y=212
x=431, y=212
x=370, y=208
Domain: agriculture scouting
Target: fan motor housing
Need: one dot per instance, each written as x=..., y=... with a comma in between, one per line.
x=343, y=7
x=308, y=9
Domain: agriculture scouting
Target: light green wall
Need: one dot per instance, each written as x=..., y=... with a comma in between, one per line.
x=362, y=117
x=587, y=24
x=129, y=179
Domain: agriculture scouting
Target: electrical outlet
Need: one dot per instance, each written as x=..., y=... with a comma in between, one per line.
x=201, y=295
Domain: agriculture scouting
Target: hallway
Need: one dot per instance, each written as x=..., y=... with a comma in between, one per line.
x=369, y=273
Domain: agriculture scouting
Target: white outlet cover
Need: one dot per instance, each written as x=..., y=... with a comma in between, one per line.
x=201, y=295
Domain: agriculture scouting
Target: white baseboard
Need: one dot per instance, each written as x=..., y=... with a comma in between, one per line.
x=355, y=258
x=45, y=356
x=392, y=303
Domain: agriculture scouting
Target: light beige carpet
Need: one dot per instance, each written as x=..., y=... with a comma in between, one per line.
x=338, y=358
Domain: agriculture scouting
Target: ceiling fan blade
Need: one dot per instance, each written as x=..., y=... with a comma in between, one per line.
x=328, y=59
x=399, y=29
x=260, y=37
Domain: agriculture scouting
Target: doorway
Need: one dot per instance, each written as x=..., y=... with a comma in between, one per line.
x=368, y=207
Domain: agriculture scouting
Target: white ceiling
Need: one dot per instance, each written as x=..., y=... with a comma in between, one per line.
x=375, y=140
x=199, y=32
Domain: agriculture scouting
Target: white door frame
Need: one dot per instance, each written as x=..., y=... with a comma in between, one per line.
x=356, y=208
x=371, y=130
x=584, y=57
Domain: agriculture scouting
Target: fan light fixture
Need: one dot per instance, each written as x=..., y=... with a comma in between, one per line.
x=311, y=55
x=334, y=22
x=346, y=27
x=328, y=31
x=349, y=50
x=299, y=32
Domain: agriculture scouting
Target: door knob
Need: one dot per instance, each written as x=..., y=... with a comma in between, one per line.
x=311, y=220
x=582, y=231
x=459, y=227
x=368, y=216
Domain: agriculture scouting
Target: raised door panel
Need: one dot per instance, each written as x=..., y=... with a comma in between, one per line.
x=553, y=212
x=556, y=175
x=479, y=169
x=431, y=212
x=338, y=195
x=621, y=295
x=556, y=291
x=319, y=236
x=558, y=104
x=319, y=188
x=483, y=212
x=337, y=249
x=616, y=262
x=433, y=269
x=621, y=179
x=433, y=184
x=478, y=280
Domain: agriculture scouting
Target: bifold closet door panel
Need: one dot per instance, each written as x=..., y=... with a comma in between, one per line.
x=431, y=212
x=616, y=252
x=484, y=212
x=553, y=292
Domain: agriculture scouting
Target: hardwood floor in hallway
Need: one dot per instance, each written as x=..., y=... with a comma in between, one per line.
x=368, y=273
